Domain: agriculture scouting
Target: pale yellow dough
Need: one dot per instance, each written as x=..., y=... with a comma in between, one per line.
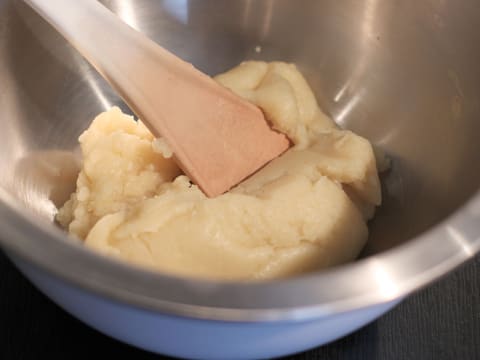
x=306, y=210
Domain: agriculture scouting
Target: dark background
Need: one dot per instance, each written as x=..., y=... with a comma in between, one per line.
x=439, y=322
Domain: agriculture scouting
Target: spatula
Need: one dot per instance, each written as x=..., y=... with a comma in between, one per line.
x=217, y=138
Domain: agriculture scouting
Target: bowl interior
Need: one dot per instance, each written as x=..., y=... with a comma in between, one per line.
x=403, y=74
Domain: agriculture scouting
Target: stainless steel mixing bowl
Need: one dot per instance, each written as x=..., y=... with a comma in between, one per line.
x=404, y=74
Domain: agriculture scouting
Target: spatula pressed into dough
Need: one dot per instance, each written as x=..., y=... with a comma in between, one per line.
x=217, y=138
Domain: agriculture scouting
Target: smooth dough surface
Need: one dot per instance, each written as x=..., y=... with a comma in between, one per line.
x=306, y=210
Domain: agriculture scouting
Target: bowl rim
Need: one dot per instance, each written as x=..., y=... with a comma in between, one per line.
x=377, y=279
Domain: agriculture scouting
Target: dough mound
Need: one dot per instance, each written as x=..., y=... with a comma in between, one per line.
x=305, y=210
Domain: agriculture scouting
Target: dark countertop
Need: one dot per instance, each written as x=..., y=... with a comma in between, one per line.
x=439, y=322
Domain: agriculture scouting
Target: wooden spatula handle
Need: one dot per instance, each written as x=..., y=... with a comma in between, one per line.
x=217, y=138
